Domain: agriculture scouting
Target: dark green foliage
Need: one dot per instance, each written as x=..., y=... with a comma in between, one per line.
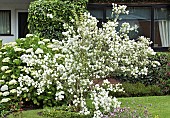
x=63, y=112
x=137, y=90
x=160, y=75
x=156, y=75
x=47, y=17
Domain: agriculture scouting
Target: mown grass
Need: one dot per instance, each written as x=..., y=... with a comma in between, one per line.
x=156, y=105
x=27, y=114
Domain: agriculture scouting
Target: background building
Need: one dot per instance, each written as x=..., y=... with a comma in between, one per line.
x=13, y=19
x=151, y=16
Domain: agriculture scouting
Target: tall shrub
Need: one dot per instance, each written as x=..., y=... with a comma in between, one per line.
x=62, y=72
x=46, y=17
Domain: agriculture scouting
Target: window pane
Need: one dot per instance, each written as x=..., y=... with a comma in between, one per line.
x=162, y=27
x=97, y=13
x=140, y=13
x=4, y=22
x=140, y=16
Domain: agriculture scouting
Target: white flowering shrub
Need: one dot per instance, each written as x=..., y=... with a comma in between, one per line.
x=28, y=72
x=52, y=72
x=107, y=50
x=39, y=80
x=95, y=53
x=10, y=65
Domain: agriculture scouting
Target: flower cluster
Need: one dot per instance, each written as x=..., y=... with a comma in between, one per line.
x=28, y=70
x=102, y=100
x=9, y=66
x=42, y=71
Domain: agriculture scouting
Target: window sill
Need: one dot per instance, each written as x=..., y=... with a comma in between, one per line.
x=6, y=34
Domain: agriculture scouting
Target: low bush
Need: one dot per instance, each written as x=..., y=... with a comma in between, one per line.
x=137, y=90
x=18, y=81
x=157, y=75
x=63, y=112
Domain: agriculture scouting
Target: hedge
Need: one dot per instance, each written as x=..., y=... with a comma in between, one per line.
x=47, y=17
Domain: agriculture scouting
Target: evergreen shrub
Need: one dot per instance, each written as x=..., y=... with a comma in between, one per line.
x=159, y=75
x=156, y=74
x=46, y=17
x=138, y=90
x=63, y=112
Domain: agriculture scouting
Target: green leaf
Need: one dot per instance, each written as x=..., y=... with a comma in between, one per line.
x=25, y=95
x=17, y=61
x=35, y=101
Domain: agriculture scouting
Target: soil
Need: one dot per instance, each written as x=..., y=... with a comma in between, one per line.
x=111, y=80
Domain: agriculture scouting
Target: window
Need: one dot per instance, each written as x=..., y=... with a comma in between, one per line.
x=140, y=16
x=153, y=21
x=5, y=22
x=162, y=27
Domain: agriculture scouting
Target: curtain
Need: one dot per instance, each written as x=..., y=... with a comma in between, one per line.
x=164, y=30
x=4, y=22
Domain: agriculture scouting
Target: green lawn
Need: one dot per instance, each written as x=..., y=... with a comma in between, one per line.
x=156, y=105
x=29, y=114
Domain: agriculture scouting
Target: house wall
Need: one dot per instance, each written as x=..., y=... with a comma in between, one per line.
x=15, y=6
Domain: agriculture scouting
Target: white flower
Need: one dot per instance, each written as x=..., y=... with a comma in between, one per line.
x=46, y=40
x=53, y=40
x=59, y=95
x=13, y=91
x=4, y=88
x=50, y=46
x=41, y=43
x=12, y=82
x=65, y=33
x=22, y=39
x=29, y=50
x=7, y=59
x=2, y=81
x=8, y=71
x=50, y=15
x=39, y=51
x=5, y=93
x=10, y=44
x=55, y=49
x=5, y=100
x=16, y=49
x=156, y=63
x=25, y=89
x=29, y=35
